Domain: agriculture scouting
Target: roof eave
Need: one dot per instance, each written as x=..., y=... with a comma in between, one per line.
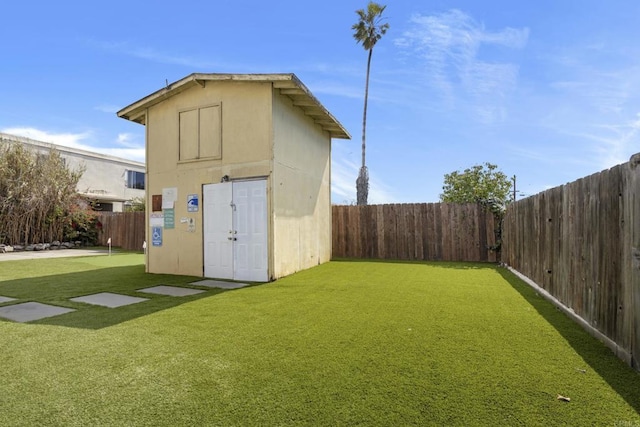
x=288, y=84
x=136, y=111
x=302, y=98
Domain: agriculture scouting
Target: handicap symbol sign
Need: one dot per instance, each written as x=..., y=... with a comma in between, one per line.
x=156, y=236
x=192, y=203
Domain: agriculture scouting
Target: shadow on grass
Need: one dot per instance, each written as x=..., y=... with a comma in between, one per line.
x=622, y=378
x=58, y=289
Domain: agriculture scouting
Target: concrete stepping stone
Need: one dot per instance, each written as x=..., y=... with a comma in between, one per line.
x=173, y=291
x=6, y=299
x=108, y=299
x=28, y=311
x=219, y=284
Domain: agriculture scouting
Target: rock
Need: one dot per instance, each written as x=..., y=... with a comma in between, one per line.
x=38, y=247
x=18, y=248
x=2, y=249
x=30, y=247
x=55, y=243
x=8, y=248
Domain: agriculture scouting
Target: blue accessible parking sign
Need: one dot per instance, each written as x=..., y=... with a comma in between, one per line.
x=156, y=236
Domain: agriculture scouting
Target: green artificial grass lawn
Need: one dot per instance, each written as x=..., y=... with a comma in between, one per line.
x=345, y=343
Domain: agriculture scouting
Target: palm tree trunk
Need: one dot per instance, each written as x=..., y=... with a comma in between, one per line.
x=362, y=183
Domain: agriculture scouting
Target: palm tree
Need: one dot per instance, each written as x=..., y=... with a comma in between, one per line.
x=368, y=30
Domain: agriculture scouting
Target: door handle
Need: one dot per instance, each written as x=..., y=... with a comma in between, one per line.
x=232, y=238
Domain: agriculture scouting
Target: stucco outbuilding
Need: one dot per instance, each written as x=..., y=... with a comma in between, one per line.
x=238, y=170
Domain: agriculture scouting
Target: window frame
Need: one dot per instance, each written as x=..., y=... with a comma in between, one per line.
x=135, y=185
x=198, y=109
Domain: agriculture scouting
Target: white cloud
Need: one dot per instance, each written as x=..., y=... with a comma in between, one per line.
x=449, y=44
x=128, y=140
x=379, y=192
x=596, y=102
x=338, y=89
x=605, y=92
x=128, y=149
x=616, y=144
x=71, y=140
x=107, y=108
x=131, y=148
x=135, y=154
x=509, y=37
x=154, y=55
x=343, y=181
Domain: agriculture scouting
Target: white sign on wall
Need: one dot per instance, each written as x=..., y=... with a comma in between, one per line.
x=169, y=197
x=156, y=220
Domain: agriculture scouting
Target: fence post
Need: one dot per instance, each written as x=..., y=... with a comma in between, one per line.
x=631, y=253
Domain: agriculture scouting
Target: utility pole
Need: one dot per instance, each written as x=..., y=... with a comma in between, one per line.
x=514, y=187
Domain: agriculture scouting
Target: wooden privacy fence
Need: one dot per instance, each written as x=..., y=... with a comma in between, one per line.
x=126, y=229
x=581, y=243
x=426, y=231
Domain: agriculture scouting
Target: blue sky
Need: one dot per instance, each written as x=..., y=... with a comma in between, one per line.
x=547, y=90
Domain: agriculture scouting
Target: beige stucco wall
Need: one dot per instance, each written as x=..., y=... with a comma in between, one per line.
x=246, y=153
x=301, y=190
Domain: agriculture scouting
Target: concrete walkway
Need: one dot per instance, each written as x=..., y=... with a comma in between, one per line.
x=60, y=253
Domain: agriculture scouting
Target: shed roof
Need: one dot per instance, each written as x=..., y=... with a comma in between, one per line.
x=288, y=84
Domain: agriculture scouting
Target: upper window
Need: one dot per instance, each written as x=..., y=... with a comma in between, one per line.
x=201, y=133
x=135, y=179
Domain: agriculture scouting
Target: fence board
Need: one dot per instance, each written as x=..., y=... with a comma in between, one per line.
x=418, y=220
x=438, y=242
x=379, y=221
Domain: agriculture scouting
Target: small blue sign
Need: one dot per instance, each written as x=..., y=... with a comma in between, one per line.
x=156, y=236
x=192, y=203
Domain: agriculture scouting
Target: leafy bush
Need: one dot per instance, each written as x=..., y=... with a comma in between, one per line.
x=37, y=192
x=81, y=222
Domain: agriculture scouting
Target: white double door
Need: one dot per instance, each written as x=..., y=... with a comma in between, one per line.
x=235, y=230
